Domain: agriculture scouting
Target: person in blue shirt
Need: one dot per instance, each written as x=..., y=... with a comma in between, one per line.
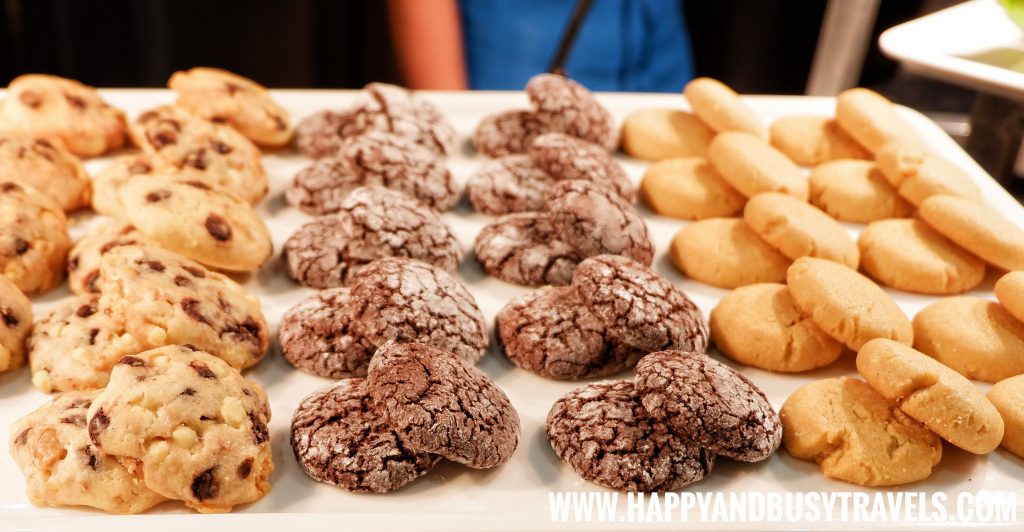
x=622, y=45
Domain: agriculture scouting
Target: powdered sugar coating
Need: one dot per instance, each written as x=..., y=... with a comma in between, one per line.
x=522, y=248
x=595, y=221
x=507, y=132
x=709, y=401
x=439, y=403
x=638, y=306
x=605, y=434
x=339, y=439
x=568, y=107
x=385, y=159
x=566, y=158
x=508, y=184
x=316, y=255
x=321, y=134
x=320, y=187
x=315, y=336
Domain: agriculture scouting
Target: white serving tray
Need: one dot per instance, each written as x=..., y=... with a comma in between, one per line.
x=973, y=44
x=514, y=496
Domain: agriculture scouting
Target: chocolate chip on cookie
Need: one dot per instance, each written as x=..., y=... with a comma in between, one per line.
x=710, y=402
x=315, y=336
x=439, y=403
x=389, y=160
x=522, y=248
x=638, y=306
x=604, y=433
x=568, y=107
x=551, y=333
x=406, y=300
x=34, y=240
x=339, y=439
x=15, y=324
x=47, y=167
x=508, y=184
x=595, y=221
x=565, y=158
x=507, y=132
x=84, y=259
x=320, y=187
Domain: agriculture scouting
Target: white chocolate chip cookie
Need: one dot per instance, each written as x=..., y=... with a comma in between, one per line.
x=15, y=324
x=46, y=167
x=34, y=240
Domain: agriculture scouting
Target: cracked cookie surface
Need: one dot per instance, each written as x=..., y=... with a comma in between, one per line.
x=568, y=107
x=551, y=333
x=507, y=132
x=47, y=168
x=594, y=221
x=437, y=402
x=15, y=324
x=508, y=184
x=34, y=239
x=338, y=438
x=638, y=306
x=522, y=248
x=321, y=187
x=198, y=428
x=388, y=160
x=710, y=402
x=315, y=336
x=604, y=433
x=567, y=158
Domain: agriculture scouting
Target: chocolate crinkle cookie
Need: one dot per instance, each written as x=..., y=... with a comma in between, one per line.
x=715, y=405
x=315, y=336
x=638, y=306
x=607, y=436
x=595, y=221
x=371, y=223
x=438, y=403
x=551, y=333
x=320, y=187
x=507, y=132
x=338, y=438
x=565, y=158
x=523, y=248
x=508, y=184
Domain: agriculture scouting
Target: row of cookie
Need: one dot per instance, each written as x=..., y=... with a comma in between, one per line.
x=418, y=404
x=887, y=431
x=173, y=423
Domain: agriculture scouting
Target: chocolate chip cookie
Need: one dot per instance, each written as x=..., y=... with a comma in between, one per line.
x=63, y=111
x=339, y=439
x=568, y=107
x=34, y=240
x=200, y=150
x=507, y=132
x=567, y=158
x=74, y=345
x=604, y=433
x=384, y=159
x=438, y=403
x=508, y=184
x=169, y=299
x=203, y=222
x=709, y=402
x=523, y=248
x=63, y=467
x=595, y=221
x=371, y=223
x=406, y=300
x=226, y=97
x=15, y=324
x=551, y=333
x=84, y=258
x=47, y=168
x=315, y=336
x=640, y=307
x=106, y=182
x=198, y=428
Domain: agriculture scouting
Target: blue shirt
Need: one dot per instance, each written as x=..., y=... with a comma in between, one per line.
x=622, y=45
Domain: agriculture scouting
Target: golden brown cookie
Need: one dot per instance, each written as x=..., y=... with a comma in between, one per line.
x=855, y=191
x=722, y=109
x=909, y=255
x=976, y=228
x=799, y=229
x=974, y=336
x=918, y=174
x=689, y=189
x=1009, y=291
x=759, y=325
x=46, y=167
x=811, y=140
x=872, y=120
x=845, y=304
x=34, y=240
x=856, y=435
x=726, y=252
x=940, y=398
x=752, y=166
x=657, y=134
x=15, y=325
x=1008, y=398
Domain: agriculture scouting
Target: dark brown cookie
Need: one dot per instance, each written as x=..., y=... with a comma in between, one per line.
x=551, y=333
x=709, y=402
x=595, y=221
x=439, y=403
x=339, y=439
x=507, y=132
x=388, y=160
x=522, y=248
x=412, y=117
x=568, y=107
x=638, y=306
x=605, y=434
x=321, y=134
x=406, y=300
x=566, y=158
x=371, y=223
x=320, y=187
x=508, y=184
x=315, y=336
